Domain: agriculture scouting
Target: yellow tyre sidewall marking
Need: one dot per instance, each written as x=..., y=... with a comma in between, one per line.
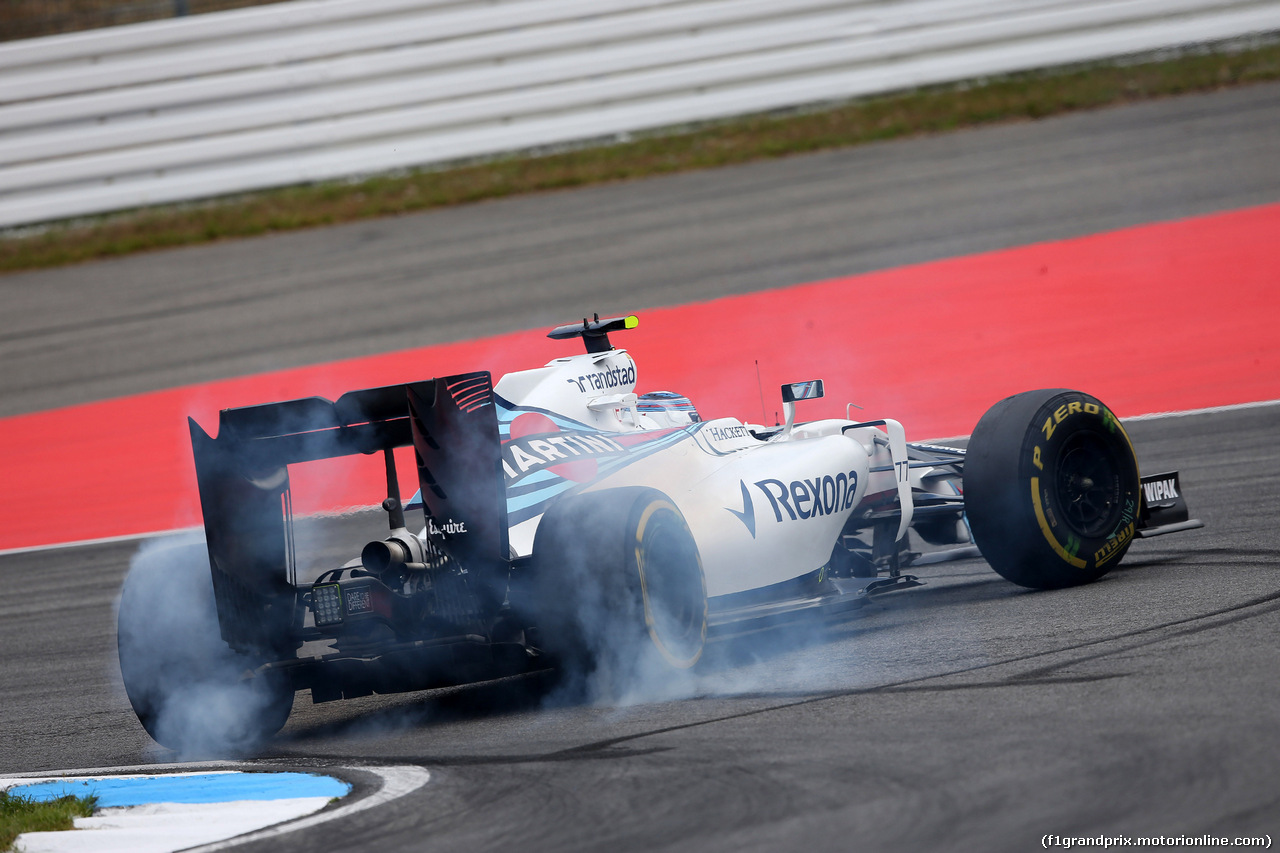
x=1108, y=418
x=677, y=662
x=1044, y=528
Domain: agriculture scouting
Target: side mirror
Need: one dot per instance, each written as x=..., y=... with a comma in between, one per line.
x=810, y=390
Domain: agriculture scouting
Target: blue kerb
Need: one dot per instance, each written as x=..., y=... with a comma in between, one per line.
x=210, y=788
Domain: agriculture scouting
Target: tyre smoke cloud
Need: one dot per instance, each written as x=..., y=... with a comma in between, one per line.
x=621, y=637
x=190, y=691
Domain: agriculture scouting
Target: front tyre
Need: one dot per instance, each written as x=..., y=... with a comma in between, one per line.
x=1051, y=488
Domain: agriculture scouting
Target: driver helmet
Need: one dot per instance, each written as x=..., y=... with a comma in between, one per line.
x=667, y=408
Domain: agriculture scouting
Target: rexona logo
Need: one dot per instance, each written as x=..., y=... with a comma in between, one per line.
x=1160, y=490
x=800, y=499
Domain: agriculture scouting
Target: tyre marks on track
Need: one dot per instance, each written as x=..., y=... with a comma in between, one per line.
x=1047, y=674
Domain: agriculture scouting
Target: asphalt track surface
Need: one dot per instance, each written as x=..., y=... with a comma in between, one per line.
x=968, y=714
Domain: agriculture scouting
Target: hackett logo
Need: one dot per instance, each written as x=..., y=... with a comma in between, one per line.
x=728, y=433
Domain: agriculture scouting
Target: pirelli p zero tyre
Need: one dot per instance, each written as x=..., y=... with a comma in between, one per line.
x=191, y=693
x=618, y=588
x=1051, y=488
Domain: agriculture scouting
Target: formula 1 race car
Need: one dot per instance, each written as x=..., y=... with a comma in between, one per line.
x=571, y=523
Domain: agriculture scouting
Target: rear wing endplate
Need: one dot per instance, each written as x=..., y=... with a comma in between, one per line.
x=245, y=495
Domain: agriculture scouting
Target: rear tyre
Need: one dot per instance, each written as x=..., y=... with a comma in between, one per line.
x=618, y=591
x=190, y=691
x=1051, y=488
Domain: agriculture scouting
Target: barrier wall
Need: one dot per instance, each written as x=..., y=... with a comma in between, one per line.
x=308, y=90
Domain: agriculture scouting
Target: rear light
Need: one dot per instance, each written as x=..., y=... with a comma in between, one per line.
x=326, y=603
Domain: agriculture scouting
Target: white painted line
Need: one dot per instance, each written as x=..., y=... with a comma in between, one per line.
x=1235, y=407
x=33, y=549
x=106, y=540
x=396, y=783
x=1153, y=416
x=155, y=534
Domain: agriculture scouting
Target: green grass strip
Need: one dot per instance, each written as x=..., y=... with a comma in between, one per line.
x=19, y=814
x=935, y=110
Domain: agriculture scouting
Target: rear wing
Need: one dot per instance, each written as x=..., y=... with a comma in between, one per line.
x=455, y=438
x=246, y=501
